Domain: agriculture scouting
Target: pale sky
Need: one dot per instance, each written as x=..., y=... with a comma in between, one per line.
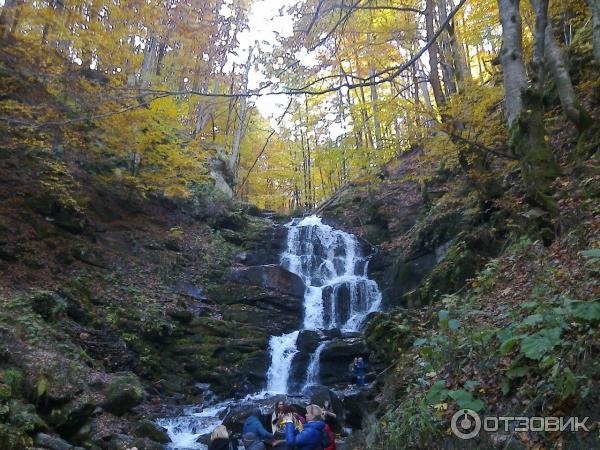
x=265, y=24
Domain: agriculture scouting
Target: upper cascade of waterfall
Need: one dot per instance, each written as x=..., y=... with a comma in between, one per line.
x=332, y=264
x=338, y=292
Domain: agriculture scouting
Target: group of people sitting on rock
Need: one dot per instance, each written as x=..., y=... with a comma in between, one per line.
x=289, y=430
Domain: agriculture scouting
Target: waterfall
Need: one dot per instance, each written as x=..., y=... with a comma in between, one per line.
x=312, y=373
x=282, y=348
x=338, y=292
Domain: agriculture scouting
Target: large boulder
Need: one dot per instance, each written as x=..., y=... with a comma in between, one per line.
x=69, y=418
x=151, y=430
x=52, y=442
x=308, y=341
x=336, y=358
x=270, y=276
x=355, y=405
x=123, y=393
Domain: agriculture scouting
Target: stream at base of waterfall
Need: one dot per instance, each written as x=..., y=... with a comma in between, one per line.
x=338, y=294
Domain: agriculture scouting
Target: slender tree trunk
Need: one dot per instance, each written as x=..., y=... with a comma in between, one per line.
x=454, y=58
x=433, y=51
x=375, y=108
x=365, y=117
x=237, y=140
x=148, y=62
x=511, y=58
x=205, y=109
x=595, y=7
x=556, y=61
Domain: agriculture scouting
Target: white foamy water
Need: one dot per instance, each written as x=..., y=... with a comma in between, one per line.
x=327, y=259
x=195, y=421
x=184, y=430
x=312, y=373
x=338, y=292
x=282, y=348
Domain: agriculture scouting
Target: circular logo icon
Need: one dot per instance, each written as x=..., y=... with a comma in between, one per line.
x=466, y=424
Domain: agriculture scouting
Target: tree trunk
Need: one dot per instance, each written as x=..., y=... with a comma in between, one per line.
x=205, y=109
x=237, y=140
x=525, y=113
x=541, y=21
x=375, y=108
x=595, y=7
x=556, y=61
x=458, y=71
x=8, y=17
x=148, y=62
x=511, y=58
x=433, y=50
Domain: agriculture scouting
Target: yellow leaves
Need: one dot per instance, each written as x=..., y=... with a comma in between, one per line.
x=440, y=407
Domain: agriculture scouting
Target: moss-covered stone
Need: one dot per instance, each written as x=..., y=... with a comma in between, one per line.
x=47, y=304
x=148, y=429
x=123, y=393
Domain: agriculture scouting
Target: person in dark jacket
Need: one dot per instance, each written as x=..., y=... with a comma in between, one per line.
x=312, y=436
x=360, y=372
x=251, y=442
x=219, y=440
x=253, y=425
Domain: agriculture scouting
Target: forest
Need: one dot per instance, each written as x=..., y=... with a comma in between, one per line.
x=433, y=165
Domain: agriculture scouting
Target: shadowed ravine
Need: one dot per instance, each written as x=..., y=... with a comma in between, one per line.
x=338, y=298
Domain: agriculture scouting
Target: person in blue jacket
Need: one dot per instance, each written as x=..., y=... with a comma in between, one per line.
x=253, y=425
x=360, y=371
x=312, y=436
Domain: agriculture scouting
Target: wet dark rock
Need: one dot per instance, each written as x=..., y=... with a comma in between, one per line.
x=308, y=341
x=298, y=370
x=269, y=276
x=123, y=393
x=52, y=442
x=336, y=358
x=189, y=290
x=354, y=402
x=148, y=429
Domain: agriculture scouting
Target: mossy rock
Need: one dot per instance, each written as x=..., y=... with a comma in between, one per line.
x=388, y=334
x=450, y=275
x=148, y=429
x=70, y=417
x=12, y=379
x=181, y=315
x=123, y=393
x=211, y=327
x=47, y=304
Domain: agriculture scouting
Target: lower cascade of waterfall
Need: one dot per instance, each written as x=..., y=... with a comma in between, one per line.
x=339, y=295
x=282, y=348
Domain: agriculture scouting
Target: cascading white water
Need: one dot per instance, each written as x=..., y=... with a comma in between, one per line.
x=312, y=373
x=282, y=348
x=338, y=292
x=330, y=261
